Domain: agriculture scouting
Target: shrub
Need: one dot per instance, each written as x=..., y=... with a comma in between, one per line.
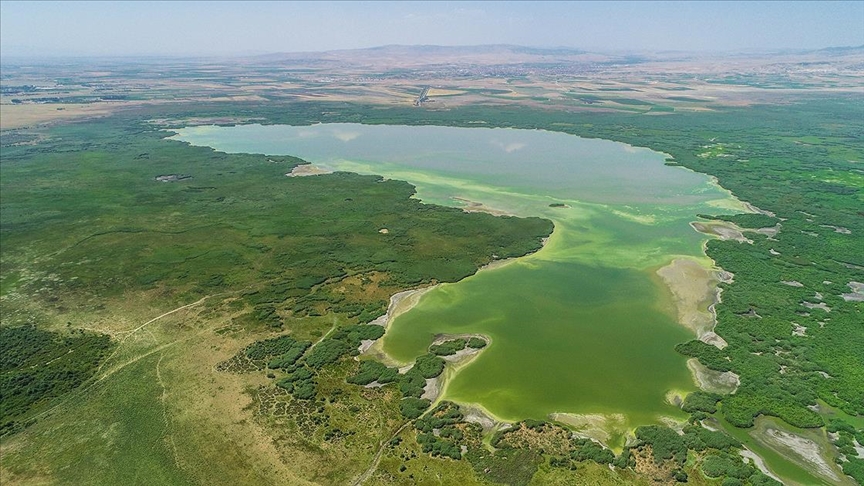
x=476, y=343
x=413, y=407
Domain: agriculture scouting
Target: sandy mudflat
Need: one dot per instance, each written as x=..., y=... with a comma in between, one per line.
x=365, y=345
x=400, y=303
x=431, y=389
x=808, y=453
x=759, y=463
x=477, y=414
x=470, y=206
x=722, y=230
x=307, y=170
x=754, y=209
x=600, y=427
x=694, y=291
x=857, y=294
x=435, y=387
x=713, y=381
x=770, y=231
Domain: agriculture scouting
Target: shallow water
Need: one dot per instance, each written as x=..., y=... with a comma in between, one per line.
x=583, y=326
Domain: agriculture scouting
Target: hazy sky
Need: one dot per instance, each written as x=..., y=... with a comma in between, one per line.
x=204, y=28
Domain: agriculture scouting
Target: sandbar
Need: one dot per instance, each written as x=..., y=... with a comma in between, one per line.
x=603, y=428
x=813, y=452
x=759, y=463
x=470, y=206
x=713, y=381
x=400, y=303
x=694, y=291
x=305, y=170
x=435, y=387
x=722, y=230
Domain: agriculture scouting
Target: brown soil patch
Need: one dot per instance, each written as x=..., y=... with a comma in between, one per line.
x=646, y=467
x=552, y=439
x=31, y=114
x=694, y=290
x=307, y=170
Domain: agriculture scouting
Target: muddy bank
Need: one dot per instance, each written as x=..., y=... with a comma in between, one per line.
x=713, y=381
x=722, y=230
x=759, y=463
x=307, y=170
x=604, y=428
x=470, y=206
x=694, y=292
x=435, y=387
x=809, y=449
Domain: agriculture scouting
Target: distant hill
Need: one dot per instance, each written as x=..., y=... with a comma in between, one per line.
x=414, y=56
x=433, y=54
x=843, y=50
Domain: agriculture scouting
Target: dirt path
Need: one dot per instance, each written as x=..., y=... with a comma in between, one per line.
x=166, y=417
x=332, y=328
x=107, y=374
x=81, y=391
x=377, y=459
x=142, y=326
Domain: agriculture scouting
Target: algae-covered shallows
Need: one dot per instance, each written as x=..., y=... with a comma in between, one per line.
x=583, y=327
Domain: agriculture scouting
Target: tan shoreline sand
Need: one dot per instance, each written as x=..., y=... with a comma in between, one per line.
x=722, y=230
x=713, y=381
x=596, y=426
x=808, y=448
x=435, y=387
x=694, y=291
x=470, y=206
x=402, y=302
x=305, y=170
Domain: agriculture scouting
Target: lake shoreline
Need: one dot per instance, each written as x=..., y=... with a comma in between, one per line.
x=694, y=292
x=402, y=302
x=632, y=211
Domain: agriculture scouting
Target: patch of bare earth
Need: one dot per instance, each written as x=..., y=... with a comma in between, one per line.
x=307, y=170
x=645, y=466
x=552, y=439
x=32, y=114
x=694, y=290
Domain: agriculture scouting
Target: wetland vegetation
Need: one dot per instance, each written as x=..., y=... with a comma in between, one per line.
x=240, y=254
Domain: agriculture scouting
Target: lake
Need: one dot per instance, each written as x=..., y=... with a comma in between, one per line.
x=582, y=327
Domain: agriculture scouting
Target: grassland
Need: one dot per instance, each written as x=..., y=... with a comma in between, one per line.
x=169, y=270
